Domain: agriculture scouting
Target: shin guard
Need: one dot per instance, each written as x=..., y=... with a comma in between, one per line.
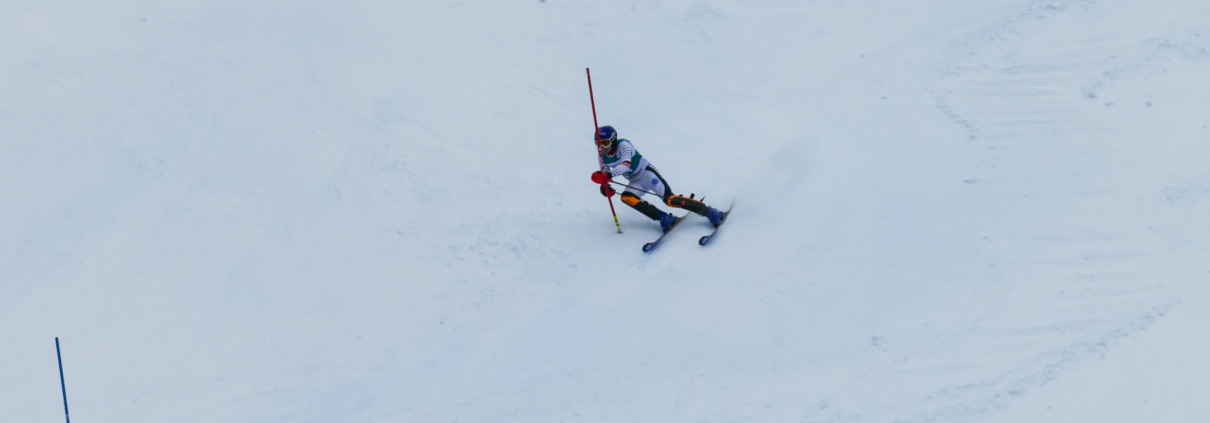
x=688, y=203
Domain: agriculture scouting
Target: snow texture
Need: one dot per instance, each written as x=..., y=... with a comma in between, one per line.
x=318, y=211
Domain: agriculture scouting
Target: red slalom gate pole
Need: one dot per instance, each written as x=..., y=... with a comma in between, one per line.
x=600, y=155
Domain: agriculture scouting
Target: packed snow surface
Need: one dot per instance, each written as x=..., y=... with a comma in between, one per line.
x=380, y=211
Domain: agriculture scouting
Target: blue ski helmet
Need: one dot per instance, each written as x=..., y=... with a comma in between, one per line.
x=607, y=136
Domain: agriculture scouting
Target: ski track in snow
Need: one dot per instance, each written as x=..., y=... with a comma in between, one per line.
x=1025, y=108
x=381, y=212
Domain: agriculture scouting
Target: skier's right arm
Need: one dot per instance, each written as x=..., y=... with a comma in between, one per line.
x=601, y=177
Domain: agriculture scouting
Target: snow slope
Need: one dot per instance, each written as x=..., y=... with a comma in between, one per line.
x=380, y=212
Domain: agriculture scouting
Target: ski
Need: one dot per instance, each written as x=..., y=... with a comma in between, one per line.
x=651, y=245
x=705, y=239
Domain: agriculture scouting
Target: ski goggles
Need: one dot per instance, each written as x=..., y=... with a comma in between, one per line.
x=605, y=142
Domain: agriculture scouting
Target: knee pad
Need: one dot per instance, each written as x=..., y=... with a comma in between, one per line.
x=642, y=206
x=630, y=199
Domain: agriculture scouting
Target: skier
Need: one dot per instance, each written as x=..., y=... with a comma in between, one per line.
x=621, y=159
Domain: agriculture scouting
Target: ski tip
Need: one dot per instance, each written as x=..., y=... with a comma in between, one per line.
x=648, y=246
x=704, y=240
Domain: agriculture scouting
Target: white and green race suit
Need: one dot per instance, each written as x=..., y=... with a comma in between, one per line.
x=644, y=178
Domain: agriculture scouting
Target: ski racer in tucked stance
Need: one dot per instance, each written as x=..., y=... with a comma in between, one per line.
x=621, y=159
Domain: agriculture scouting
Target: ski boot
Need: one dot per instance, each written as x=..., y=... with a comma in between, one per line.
x=666, y=221
x=715, y=216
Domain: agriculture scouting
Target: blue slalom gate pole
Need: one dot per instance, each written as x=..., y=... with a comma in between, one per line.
x=62, y=381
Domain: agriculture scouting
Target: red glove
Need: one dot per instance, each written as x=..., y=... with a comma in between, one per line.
x=607, y=191
x=601, y=177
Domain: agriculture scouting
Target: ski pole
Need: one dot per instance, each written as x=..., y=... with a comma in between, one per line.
x=703, y=198
x=62, y=382
x=596, y=136
x=635, y=188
